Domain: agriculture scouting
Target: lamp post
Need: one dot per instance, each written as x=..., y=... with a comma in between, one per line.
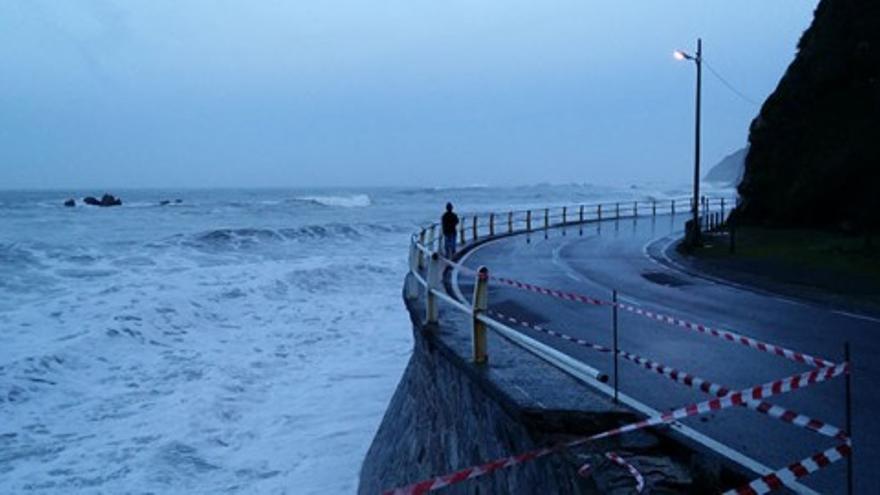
x=695, y=207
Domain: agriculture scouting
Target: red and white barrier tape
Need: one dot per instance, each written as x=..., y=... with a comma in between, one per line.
x=731, y=337
x=586, y=470
x=568, y=296
x=697, y=327
x=799, y=469
x=640, y=481
x=693, y=381
x=737, y=398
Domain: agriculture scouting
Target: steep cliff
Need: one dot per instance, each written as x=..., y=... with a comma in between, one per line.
x=814, y=159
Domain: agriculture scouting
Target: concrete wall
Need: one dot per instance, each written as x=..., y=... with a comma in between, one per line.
x=448, y=413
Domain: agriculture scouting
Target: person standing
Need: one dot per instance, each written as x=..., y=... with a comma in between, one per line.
x=450, y=222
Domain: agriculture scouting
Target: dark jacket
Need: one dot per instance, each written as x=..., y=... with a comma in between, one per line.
x=450, y=221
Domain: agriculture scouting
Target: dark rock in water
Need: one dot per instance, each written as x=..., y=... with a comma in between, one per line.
x=110, y=200
x=815, y=146
x=106, y=200
x=70, y=203
x=178, y=201
x=164, y=202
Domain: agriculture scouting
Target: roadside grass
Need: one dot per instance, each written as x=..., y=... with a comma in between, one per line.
x=844, y=265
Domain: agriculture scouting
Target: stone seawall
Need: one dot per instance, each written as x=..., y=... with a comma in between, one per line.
x=448, y=413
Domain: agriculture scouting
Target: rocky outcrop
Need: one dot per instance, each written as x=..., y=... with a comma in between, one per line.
x=814, y=159
x=70, y=203
x=106, y=200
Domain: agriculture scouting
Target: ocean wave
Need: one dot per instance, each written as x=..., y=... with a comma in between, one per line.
x=352, y=201
x=247, y=237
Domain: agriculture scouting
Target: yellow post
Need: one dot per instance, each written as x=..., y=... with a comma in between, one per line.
x=481, y=304
x=491, y=224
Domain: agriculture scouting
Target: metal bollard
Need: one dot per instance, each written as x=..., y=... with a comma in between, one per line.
x=509, y=222
x=435, y=282
x=529, y=221
x=475, y=228
x=481, y=304
x=491, y=224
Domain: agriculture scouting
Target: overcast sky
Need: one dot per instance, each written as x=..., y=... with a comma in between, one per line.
x=183, y=93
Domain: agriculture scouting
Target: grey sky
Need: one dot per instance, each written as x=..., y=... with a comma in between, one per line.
x=144, y=93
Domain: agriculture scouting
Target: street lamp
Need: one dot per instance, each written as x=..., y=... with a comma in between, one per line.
x=698, y=60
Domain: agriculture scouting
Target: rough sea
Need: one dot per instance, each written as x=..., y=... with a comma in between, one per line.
x=240, y=341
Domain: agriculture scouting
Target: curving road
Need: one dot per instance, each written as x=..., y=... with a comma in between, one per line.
x=630, y=256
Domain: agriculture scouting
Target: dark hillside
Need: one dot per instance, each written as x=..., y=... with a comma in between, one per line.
x=814, y=158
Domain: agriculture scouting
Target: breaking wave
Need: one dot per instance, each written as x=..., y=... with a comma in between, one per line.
x=353, y=201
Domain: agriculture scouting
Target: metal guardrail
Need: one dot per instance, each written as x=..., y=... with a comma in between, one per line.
x=427, y=268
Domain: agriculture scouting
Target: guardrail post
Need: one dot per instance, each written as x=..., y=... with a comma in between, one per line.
x=581, y=214
x=491, y=224
x=564, y=218
x=635, y=208
x=461, y=231
x=481, y=304
x=617, y=211
x=474, y=228
x=653, y=208
x=673, y=206
x=546, y=218
x=599, y=212
x=421, y=254
x=435, y=282
x=529, y=221
x=848, y=383
x=411, y=286
x=614, y=337
x=509, y=222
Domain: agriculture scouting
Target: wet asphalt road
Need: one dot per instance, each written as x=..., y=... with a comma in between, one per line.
x=627, y=255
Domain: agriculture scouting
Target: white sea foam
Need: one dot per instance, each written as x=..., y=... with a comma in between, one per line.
x=244, y=344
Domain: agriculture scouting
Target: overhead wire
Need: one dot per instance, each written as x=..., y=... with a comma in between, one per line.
x=729, y=86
